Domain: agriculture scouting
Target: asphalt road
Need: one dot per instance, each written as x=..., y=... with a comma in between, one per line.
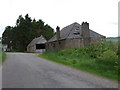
x=24, y=70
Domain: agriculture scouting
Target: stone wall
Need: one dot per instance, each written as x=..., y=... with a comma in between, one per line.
x=64, y=44
x=31, y=48
x=73, y=43
x=96, y=40
x=70, y=43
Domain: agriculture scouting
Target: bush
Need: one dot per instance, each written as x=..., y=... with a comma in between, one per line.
x=96, y=50
x=108, y=58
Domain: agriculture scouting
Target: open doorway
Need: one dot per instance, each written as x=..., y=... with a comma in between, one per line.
x=40, y=46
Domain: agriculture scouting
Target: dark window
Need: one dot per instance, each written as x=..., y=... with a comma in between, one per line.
x=76, y=28
x=59, y=43
x=53, y=45
x=40, y=46
x=76, y=33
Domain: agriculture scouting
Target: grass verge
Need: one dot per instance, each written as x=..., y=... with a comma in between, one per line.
x=80, y=59
x=2, y=57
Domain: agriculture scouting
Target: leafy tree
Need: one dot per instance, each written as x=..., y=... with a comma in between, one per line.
x=7, y=36
x=25, y=30
x=48, y=32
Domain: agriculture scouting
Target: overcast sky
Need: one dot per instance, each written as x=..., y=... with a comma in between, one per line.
x=102, y=15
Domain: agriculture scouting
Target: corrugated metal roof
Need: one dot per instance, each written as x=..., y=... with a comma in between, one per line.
x=73, y=31
x=38, y=40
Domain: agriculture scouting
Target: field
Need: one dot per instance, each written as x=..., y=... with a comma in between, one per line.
x=99, y=59
x=112, y=39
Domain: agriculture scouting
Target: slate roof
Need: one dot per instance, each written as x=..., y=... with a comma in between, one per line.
x=38, y=40
x=73, y=31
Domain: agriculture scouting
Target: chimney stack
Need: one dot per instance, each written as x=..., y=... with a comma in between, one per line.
x=58, y=32
x=85, y=29
x=86, y=33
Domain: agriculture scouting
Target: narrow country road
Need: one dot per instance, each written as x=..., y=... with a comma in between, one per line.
x=25, y=70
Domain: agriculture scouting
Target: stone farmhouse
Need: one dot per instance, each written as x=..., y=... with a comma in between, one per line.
x=37, y=45
x=73, y=36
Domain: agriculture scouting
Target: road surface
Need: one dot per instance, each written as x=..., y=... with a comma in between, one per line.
x=25, y=70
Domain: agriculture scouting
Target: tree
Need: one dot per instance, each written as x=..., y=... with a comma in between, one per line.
x=7, y=38
x=48, y=32
x=24, y=32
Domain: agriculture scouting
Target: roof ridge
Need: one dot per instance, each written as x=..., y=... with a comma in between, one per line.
x=70, y=30
x=38, y=37
x=36, y=40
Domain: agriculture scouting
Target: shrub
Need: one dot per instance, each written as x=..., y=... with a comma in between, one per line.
x=74, y=62
x=96, y=50
x=108, y=57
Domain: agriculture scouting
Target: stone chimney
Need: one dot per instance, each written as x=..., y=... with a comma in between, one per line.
x=86, y=33
x=58, y=32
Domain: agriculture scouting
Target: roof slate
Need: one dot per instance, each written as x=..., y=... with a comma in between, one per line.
x=38, y=40
x=68, y=32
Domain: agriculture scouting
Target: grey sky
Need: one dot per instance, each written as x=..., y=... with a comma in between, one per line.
x=102, y=15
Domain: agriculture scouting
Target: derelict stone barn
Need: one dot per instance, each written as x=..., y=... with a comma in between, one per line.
x=37, y=45
x=72, y=36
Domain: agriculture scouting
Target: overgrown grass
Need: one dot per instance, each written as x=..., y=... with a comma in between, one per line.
x=2, y=57
x=91, y=59
x=2, y=54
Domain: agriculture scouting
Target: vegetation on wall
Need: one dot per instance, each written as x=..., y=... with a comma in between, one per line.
x=18, y=37
x=100, y=59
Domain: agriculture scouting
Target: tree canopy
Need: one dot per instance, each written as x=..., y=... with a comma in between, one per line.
x=25, y=30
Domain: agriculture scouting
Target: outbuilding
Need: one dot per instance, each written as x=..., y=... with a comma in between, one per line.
x=37, y=45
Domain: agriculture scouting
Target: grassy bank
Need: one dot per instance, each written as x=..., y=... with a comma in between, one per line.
x=2, y=54
x=2, y=57
x=98, y=59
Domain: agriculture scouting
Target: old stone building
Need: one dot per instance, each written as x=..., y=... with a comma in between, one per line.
x=74, y=35
x=37, y=45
